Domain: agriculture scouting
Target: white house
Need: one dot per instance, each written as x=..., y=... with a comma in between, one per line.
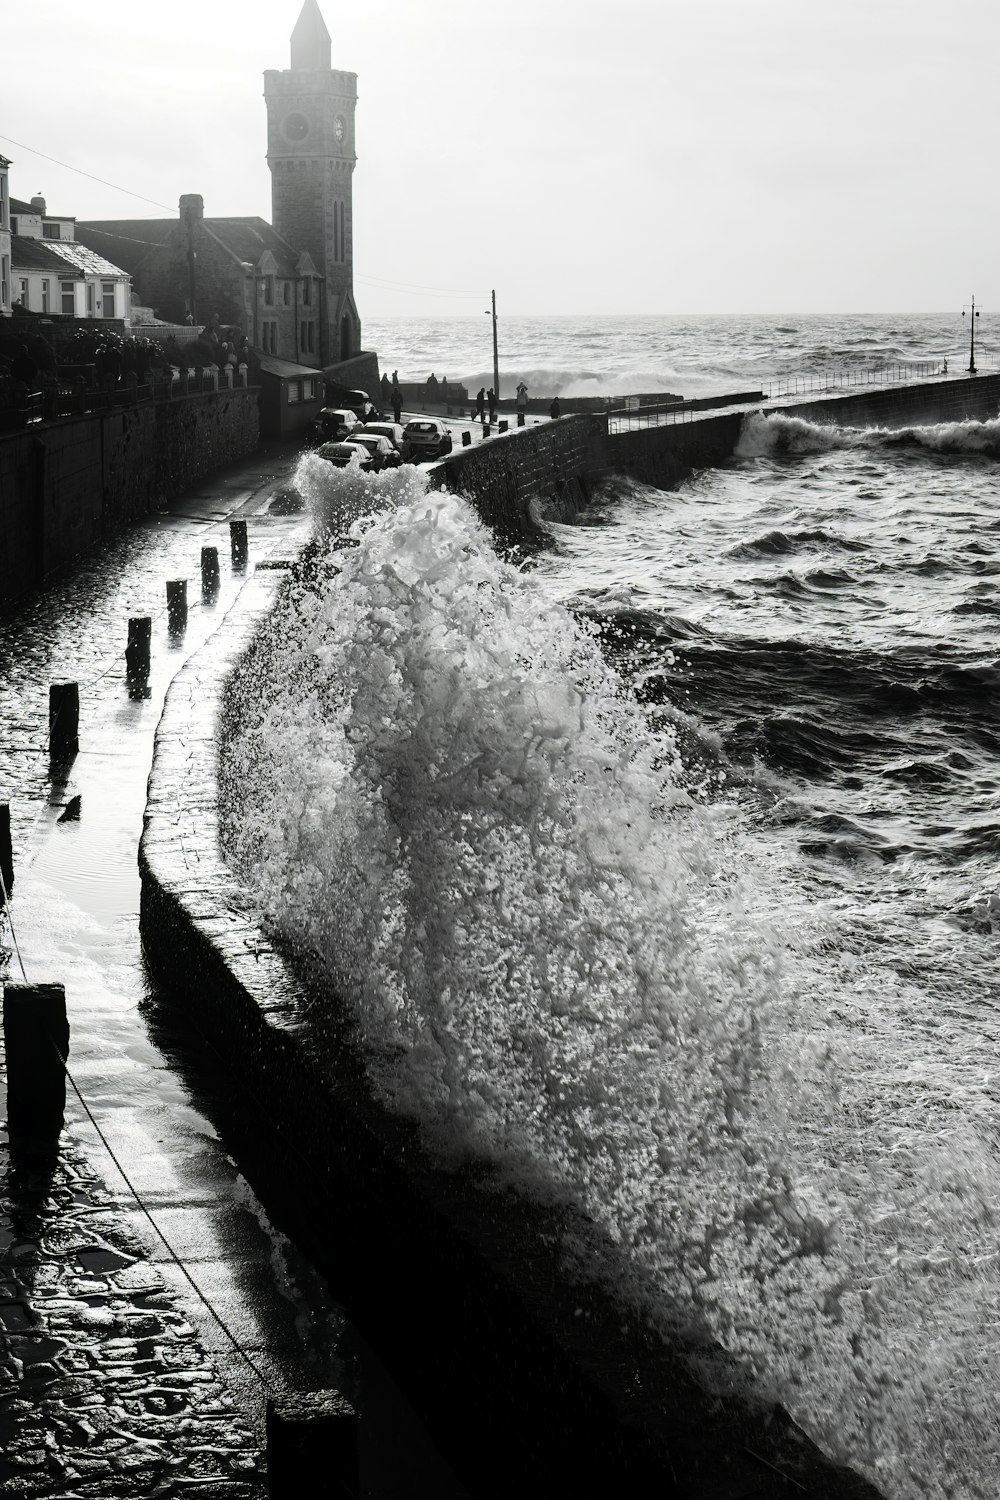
x=50, y=273
x=5, y=284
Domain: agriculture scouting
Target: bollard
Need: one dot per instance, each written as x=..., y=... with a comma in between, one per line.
x=6, y=853
x=466, y=439
x=64, y=720
x=177, y=604
x=520, y=419
x=140, y=634
x=209, y=571
x=502, y=426
x=312, y=1445
x=486, y=428
x=36, y=1037
x=238, y=544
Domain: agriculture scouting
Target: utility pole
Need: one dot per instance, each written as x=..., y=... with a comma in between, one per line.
x=496, y=364
x=973, y=315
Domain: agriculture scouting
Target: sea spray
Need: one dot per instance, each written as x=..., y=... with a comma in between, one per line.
x=551, y=958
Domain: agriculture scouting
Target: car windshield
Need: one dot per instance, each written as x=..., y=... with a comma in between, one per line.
x=421, y=427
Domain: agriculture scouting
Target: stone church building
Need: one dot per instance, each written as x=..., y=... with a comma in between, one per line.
x=287, y=285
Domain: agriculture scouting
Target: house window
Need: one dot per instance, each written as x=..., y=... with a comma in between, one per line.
x=343, y=241
x=286, y=292
x=90, y=299
x=50, y=231
x=45, y=296
x=268, y=291
x=68, y=298
x=306, y=291
x=269, y=333
x=294, y=392
x=309, y=390
x=108, y=298
x=4, y=277
x=13, y=224
x=23, y=293
x=336, y=231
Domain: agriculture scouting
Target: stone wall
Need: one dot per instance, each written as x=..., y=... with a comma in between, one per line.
x=64, y=485
x=545, y=471
x=529, y=474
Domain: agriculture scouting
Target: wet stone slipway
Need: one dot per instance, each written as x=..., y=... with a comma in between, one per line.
x=115, y=1380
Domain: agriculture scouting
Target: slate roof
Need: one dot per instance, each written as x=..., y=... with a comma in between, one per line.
x=131, y=240
x=128, y=240
x=285, y=369
x=18, y=206
x=29, y=254
x=247, y=239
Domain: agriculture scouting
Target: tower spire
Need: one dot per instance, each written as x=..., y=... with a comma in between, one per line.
x=310, y=39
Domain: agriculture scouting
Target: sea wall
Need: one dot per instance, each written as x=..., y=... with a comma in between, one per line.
x=529, y=474
x=64, y=485
x=528, y=1380
x=546, y=471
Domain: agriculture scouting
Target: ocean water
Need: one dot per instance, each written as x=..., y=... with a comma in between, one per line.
x=689, y=356
x=662, y=870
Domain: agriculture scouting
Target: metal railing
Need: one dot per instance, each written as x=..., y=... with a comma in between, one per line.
x=639, y=412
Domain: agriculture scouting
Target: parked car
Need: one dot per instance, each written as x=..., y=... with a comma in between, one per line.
x=342, y=454
x=392, y=430
x=334, y=424
x=426, y=437
x=362, y=405
x=384, y=455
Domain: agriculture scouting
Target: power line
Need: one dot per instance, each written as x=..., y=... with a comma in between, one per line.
x=129, y=238
x=430, y=291
x=103, y=180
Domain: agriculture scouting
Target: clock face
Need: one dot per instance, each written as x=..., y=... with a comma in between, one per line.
x=339, y=129
x=295, y=127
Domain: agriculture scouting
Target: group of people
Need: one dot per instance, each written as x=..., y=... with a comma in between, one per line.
x=486, y=400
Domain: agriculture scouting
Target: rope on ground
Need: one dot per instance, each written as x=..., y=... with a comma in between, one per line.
x=159, y=1233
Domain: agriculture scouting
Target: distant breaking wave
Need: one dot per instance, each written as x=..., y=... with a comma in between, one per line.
x=779, y=435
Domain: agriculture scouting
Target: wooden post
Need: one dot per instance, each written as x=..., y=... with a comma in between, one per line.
x=238, y=544
x=312, y=1446
x=502, y=426
x=486, y=428
x=36, y=1037
x=6, y=853
x=64, y=720
x=520, y=419
x=140, y=634
x=177, y=604
x=209, y=571
x=466, y=439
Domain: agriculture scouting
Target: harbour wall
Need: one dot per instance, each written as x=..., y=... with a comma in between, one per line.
x=66, y=484
x=528, y=1380
x=531, y=474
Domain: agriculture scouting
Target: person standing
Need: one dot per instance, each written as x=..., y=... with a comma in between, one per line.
x=397, y=400
x=555, y=410
x=481, y=403
x=522, y=402
x=491, y=398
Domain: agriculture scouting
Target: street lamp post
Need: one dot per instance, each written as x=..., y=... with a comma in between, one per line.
x=973, y=315
x=496, y=364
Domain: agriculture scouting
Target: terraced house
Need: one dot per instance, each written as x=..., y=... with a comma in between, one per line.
x=51, y=273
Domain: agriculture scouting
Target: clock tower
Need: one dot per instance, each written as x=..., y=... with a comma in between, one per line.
x=310, y=152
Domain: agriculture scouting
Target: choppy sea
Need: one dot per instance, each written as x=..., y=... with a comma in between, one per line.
x=665, y=866
x=690, y=356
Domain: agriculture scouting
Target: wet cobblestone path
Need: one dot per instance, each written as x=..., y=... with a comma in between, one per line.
x=114, y=1379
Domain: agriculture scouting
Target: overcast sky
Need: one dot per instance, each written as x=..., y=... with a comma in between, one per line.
x=582, y=157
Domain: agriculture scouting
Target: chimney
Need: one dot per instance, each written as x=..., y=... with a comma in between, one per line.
x=38, y=204
x=192, y=208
